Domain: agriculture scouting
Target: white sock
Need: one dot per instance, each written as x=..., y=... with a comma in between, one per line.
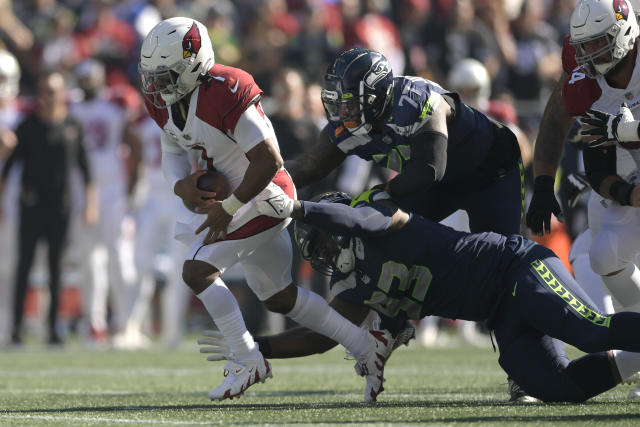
x=628, y=363
x=313, y=311
x=624, y=287
x=223, y=309
x=591, y=283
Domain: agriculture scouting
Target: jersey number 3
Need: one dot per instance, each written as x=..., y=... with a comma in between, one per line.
x=413, y=283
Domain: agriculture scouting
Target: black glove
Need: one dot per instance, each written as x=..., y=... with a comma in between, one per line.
x=574, y=186
x=543, y=204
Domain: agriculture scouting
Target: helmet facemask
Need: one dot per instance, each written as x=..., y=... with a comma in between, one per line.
x=162, y=86
x=603, y=33
x=358, y=88
x=600, y=53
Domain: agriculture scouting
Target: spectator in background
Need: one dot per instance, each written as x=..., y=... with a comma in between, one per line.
x=537, y=66
x=49, y=145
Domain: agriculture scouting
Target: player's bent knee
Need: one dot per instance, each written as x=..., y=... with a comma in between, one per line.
x=603, y=255
x=198, y=275
x=283, y=301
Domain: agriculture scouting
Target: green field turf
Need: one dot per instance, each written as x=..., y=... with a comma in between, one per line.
x=445, y=386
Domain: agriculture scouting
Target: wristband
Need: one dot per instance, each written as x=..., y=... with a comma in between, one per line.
x=231, y=204
x=621, y=192
x=263, y=346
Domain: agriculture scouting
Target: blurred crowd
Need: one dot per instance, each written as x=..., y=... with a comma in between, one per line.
x=118, y=270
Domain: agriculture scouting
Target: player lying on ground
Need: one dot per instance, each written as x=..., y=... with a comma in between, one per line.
x=405, y=266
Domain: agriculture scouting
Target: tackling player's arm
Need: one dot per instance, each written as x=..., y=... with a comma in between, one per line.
x=428, y=160
x=345, y=220
x=317, y=163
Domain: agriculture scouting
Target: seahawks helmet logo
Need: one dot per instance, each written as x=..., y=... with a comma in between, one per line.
x=379, y=71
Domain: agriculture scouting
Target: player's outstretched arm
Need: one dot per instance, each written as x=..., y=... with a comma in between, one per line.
x=547, y=154
x=338, y=218
x=315, y=164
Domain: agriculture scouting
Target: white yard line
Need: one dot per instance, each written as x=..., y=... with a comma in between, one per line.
x=68, y=419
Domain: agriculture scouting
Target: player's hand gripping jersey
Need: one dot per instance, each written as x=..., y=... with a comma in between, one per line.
x=212, y=136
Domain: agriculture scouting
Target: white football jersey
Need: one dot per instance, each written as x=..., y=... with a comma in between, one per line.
x=151, y=172
x=103, y=123
x=210, y=128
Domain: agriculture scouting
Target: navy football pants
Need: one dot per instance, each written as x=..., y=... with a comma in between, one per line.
x=497, y=207
x=543, y=302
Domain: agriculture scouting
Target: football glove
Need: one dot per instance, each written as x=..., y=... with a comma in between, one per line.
x=214, y=344
x=543, y=204
x=574, y=186
x=279, y=206
x=610, y=127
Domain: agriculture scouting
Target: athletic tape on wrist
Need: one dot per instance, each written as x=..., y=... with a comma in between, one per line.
x=231, y=204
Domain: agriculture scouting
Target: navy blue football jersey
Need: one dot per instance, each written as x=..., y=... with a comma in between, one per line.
x=430, y=269
x=413, y=103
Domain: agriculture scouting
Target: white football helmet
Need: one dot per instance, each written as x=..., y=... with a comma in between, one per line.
x=173, y=56
x=602, y=32
x=470, y=79
x=9, y=75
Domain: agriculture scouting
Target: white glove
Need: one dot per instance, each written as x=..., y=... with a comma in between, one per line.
x=621, y=127
x=279, y=206
x=215, y=344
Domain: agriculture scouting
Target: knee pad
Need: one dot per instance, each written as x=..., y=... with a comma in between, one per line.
x=603, y=254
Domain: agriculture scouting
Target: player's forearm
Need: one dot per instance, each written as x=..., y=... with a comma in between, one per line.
x=265, y=163
x=554, y=126
x=342, y=219
x=296, y=342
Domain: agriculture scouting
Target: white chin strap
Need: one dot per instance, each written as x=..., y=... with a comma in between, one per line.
x=346, y=260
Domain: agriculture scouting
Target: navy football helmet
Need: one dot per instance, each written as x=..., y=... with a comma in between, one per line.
x=357, y=89
x=318, y=247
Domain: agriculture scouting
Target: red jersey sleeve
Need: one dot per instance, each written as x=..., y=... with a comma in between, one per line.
x=227, y=95
x=579, y=92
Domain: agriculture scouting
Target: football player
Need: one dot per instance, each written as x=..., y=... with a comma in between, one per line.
x=599, y=60
x=405, y=266
x=213, y=112
x=106, y=128
x=448, y=155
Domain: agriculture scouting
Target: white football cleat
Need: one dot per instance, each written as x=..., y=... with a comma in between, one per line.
x=371, y=364
x=240, y=375
x=635, y=392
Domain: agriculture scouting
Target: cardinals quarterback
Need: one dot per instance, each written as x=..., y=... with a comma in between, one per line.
x=211, y=114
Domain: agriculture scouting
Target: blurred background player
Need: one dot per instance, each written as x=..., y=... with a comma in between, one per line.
x=49, y=144
x=10, y=116
x=107, y=129
x=156, y=209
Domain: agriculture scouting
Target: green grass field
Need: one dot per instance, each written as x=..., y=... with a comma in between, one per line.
x=445, y=386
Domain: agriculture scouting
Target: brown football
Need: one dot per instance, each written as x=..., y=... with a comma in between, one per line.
x=212, y=181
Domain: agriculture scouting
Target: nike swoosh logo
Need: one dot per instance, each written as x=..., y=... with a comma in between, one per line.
x=514, y=289
x=234, y=89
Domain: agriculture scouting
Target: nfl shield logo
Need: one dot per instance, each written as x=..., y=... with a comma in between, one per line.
x=628, y=95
